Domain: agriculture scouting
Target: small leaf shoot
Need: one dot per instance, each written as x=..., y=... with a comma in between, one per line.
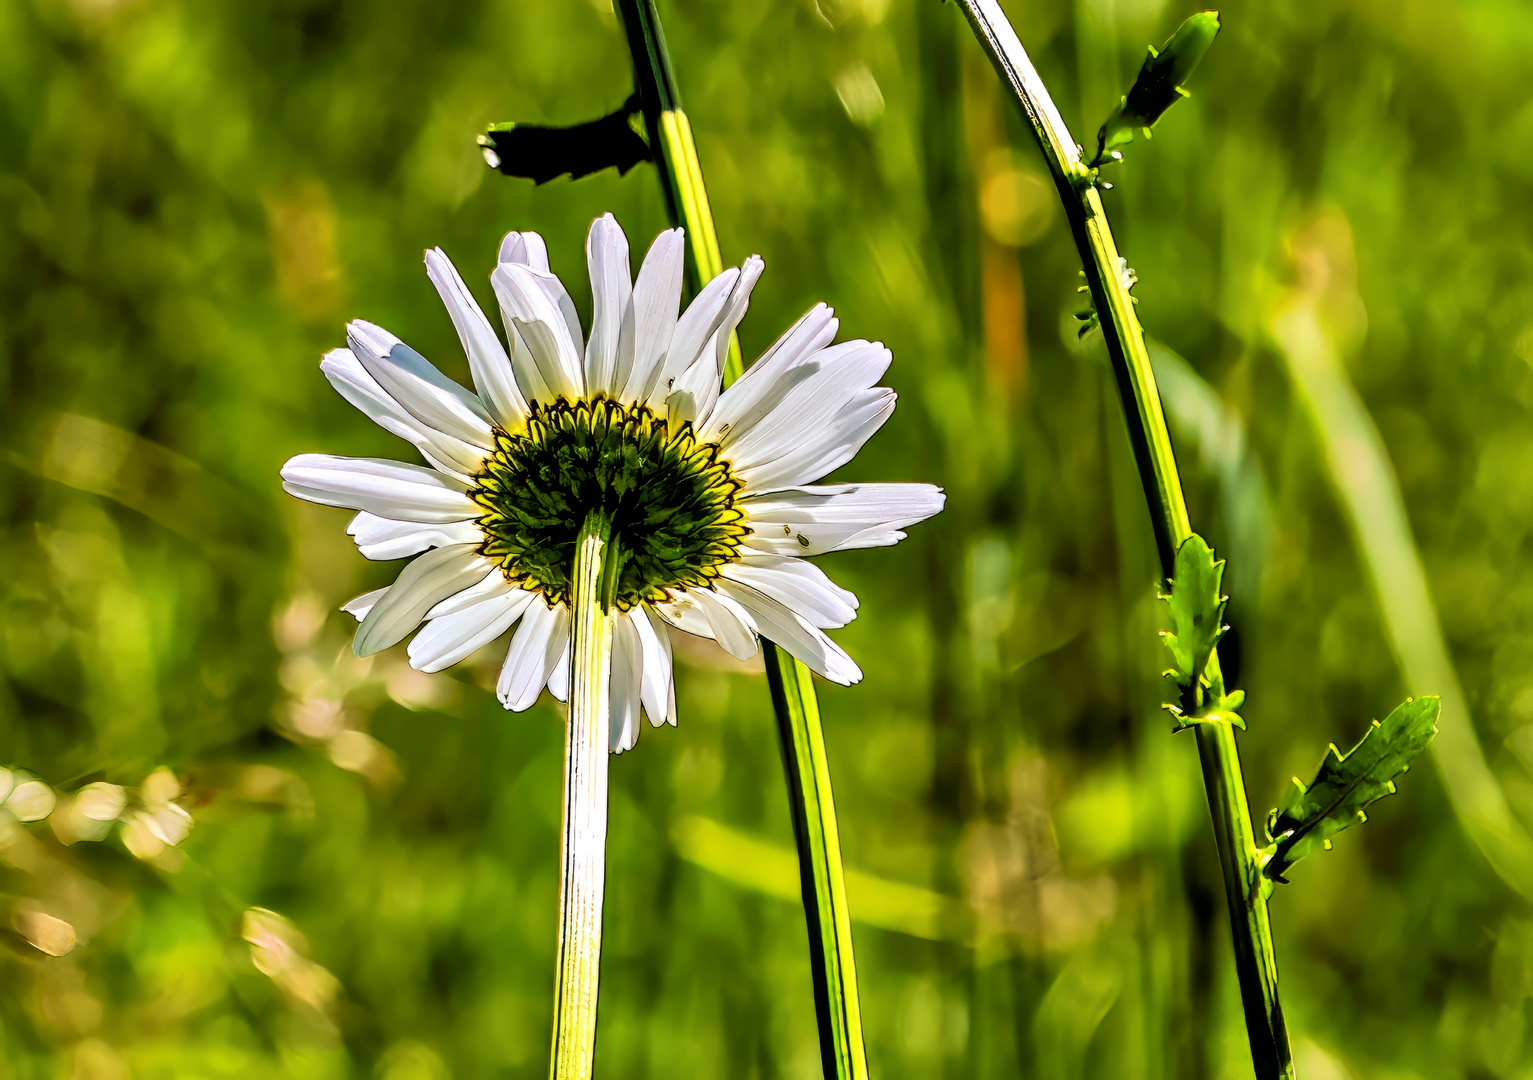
x=1158, y=86
x=540, y=153
x=1346, y=785
x=1197, y=612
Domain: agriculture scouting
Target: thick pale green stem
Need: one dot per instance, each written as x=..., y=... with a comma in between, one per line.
x=793, y=696
x=1222, y=777
x=584, y=871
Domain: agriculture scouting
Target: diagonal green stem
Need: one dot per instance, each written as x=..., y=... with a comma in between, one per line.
x=793, y=697
x=1255, y=962
x=582, y=881
x=819, y=866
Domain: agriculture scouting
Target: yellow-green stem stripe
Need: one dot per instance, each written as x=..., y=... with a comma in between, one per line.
x=1223, y=781
x=821, y=876
x=582, y=881
x=798, y=714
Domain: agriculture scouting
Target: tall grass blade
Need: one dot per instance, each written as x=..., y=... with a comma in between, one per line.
x=793, y=697
x=1370, y=495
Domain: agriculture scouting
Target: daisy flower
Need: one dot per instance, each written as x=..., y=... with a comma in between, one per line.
x=710, y=492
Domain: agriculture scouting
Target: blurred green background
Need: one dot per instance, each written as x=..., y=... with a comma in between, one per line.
x=194, y=197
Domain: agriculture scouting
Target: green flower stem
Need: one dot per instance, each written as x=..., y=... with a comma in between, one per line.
x=583, y=874
x=670, y=141
x=793, y=697
x=819, y=866
x=1222, y=777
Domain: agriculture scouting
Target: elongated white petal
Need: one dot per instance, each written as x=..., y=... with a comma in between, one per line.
x=656, y=302
x=450, y=638
x=792, y=359
x=693, y=331
x=836, y=517
x=734, y=310
x=353, y=382
x=493, y=585
x=384, y=538
x=828, y=448
x=609, y=350
x=730, y=624
x=800, y=586
x=545, y=354
x=694, y=395
x=528, y=249
x=540, y=640
x=659, y=688
x=559, y=678
x=389, y=489
x=686, y=615
x=421, y=585
x=414, y=382
x=359, y=606
x=626, y=684
x=846, y=373
x=487, y=359
x=804, y=642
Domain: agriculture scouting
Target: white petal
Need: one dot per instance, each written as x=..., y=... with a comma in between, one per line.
x=694, y=395
x=545, y=355
x=835, y=517
x=446, y=640
x=487, y=359
x=626, y=683
x=540, y=640
x=846, y=373
x=828, y=448
x=659, y=689
x=791, y=360
x=421, y=585
x=804, y=642
x=359, y=606
x=686, y=615
x=734, y=309
x=702, y=334
x=730, y=624
x=412, y=380
x=528, y=249
x=559, y=679
x=493, y=585
x=387, y=488
x=353, y=382
x=656, y=302
x=693, y=331
x=609, y=351
x=384, y=538
x=799, y=586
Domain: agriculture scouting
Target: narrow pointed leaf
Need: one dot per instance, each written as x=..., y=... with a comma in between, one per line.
x=1160, y=84
x=1347, y=784
x=540, y=153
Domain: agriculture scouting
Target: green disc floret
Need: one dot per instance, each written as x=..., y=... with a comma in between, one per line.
x=670, y=499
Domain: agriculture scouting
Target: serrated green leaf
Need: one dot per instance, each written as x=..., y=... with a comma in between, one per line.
x=1159, y=85
x=1197, y=610
x=1347, y=784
